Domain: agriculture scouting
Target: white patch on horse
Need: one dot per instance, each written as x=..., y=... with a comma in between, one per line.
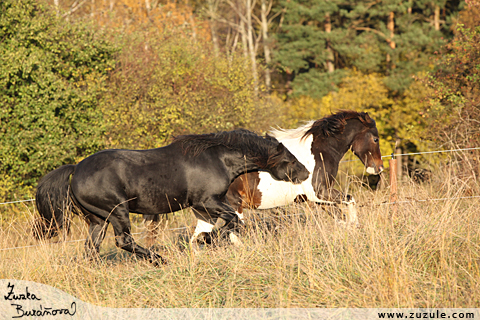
x=240, y=217
x=371, y=170
x=280, y=193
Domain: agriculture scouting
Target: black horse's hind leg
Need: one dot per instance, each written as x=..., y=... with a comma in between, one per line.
x=96, y=233
x=123, y=236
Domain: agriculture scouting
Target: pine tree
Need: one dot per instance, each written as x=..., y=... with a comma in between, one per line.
x=391, y=37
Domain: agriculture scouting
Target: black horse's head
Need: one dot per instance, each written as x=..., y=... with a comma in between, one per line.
x=366, y=145
x=283, y=165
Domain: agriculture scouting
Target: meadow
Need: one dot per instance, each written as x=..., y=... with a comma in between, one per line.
x=426, y=254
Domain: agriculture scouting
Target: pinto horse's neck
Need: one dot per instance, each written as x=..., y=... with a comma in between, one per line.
x=335, y=146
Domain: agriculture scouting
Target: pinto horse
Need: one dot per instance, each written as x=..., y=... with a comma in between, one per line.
x=319, y=145
x=193, y=171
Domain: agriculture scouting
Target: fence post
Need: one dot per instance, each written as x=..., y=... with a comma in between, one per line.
x=398, y=159
x=393, y=183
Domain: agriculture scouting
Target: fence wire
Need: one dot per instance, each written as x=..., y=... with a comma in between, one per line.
x=385, y=203
x=397, y=154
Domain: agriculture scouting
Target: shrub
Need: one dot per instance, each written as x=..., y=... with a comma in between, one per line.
x=51, y=75
x=168, y=85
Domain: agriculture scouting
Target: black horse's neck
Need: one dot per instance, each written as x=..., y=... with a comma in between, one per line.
x=239, y=164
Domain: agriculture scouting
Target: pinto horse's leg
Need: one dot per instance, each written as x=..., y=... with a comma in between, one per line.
x=226, y=221
x=351, y=209
x=340, y=198
x=202, y=228
x=120, y=221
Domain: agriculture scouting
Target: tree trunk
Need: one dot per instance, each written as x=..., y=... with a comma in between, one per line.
x=57, y=7
x=266, y=48
x=391, y=42
x=436, y=18
x=244, y=38
x=330, y=58
x=92, y=13
x=251, y=45
x=147, y=6
x=212, y=9
x=194, y=28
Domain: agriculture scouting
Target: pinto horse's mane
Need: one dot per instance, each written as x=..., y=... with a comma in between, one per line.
x=259, y=149
x=327, y=126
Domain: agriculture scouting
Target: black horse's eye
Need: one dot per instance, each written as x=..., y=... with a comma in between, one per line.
x=375, y=140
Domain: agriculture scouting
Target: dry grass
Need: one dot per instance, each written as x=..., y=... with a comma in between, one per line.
x=427, y=255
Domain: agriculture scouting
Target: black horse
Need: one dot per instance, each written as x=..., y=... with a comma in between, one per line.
x=193, y=171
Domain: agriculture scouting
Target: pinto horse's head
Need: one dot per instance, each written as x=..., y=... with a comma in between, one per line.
x=366, y=145
x=283, y=165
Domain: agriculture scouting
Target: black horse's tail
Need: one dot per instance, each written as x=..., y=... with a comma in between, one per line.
x=53, y=202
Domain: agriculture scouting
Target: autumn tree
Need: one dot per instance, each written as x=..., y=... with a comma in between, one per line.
x=177, y=86
x=454, y=109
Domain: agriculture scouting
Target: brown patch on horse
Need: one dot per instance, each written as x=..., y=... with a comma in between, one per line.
x=243, y=192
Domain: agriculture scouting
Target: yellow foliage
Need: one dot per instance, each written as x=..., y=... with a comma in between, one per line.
x=397, y=116
x=178, y=86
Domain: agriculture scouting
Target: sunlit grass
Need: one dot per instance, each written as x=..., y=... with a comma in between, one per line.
x=427, y=254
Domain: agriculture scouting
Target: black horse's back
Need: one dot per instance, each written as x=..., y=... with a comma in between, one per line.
x=53, y=201
x=142, y=178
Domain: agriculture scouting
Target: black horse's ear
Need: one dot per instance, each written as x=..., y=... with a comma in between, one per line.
x=270, y=138
x=280, y=147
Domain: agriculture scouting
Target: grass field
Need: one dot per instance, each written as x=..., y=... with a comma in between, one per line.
x=425, y=255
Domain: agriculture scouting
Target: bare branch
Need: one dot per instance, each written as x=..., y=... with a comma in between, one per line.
x=375, y=31
x=74, y=8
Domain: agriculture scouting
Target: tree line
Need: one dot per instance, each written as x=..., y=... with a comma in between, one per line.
x=79, y=76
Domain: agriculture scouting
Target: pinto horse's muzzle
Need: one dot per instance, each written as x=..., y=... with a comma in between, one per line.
x=375, y=169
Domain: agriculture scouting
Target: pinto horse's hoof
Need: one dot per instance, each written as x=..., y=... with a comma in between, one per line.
x=156, y=259
x=235, y=239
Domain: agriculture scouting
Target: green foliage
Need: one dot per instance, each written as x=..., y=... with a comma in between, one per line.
x=51, y=75
x=170, y=85
x=361, y=39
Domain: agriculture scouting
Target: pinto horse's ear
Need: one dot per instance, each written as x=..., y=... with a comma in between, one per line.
x=280, y=147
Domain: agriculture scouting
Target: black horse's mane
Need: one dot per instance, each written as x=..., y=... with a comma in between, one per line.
x=335, y=124
x=261, y=150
